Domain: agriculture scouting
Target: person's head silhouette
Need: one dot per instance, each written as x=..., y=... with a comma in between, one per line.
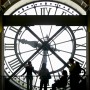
x=44, y=65
x=64, y=72
x=29, y=63
x=71, y=60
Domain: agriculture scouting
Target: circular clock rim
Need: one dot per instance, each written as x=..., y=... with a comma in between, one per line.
x=21, y=3
x=6, y=13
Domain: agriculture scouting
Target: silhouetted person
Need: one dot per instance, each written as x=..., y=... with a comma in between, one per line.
x=72, y=74
x=44, y=76
x=77, y=68
x=62, y=82
x=29, y=77
x=75, y=71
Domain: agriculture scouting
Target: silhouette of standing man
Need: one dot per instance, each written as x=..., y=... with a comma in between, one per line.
x=29, y=77
x=44, y=76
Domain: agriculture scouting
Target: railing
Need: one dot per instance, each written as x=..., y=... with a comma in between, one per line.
x=23, y=86
x=20, y=82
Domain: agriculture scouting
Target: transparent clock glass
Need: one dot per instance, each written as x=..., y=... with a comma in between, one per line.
x=50, y=44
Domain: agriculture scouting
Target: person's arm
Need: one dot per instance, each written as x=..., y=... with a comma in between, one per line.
x=34, y=70
x=39, y=73
x=24, y=72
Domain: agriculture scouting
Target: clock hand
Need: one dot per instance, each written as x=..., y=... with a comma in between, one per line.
x=44, y=59
x=34, y=44
x=55, y=49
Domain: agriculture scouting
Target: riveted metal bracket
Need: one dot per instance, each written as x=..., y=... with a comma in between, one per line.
x=2, y=9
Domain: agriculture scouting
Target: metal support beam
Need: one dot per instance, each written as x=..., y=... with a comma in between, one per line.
x=88, y=48
x=1, y=56
x=45, y=20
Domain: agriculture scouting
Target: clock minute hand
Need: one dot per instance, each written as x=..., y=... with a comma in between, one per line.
x=55, y=49
x=34, y=44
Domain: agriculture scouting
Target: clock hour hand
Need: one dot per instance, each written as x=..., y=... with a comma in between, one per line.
x=34, y=44
x=55, y=49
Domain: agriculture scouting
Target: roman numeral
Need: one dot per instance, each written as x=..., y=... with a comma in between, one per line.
x=14, y=29
x=14, y=64
x=84, y=65
x=55, y=11
x=9, y=46
x=63, y=13
x=80, y=49
x=45, y=11
x=80, y=55
x=81, y=45
x=79, y=28
x=78, y=60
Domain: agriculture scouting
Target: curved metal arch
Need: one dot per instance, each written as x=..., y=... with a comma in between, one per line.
x=10, y=3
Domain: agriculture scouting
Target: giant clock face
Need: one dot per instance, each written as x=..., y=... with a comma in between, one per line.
x=49, y=44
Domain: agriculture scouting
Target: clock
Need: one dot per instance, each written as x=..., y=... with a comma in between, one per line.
x=50, y=44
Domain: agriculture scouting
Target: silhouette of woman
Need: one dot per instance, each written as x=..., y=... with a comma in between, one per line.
x=62, y=82
x=44, y=76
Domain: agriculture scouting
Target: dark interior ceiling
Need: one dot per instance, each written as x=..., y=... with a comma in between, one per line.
x=3, y=1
